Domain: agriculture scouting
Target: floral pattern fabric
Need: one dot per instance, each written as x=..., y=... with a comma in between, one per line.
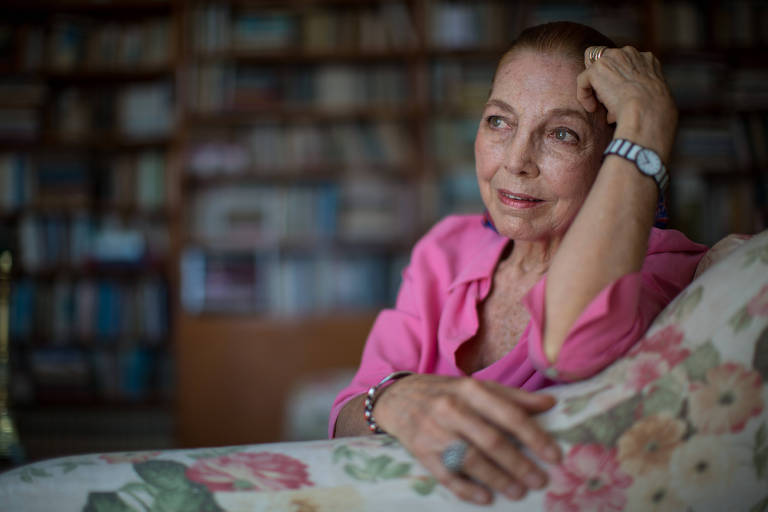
x=679, y=423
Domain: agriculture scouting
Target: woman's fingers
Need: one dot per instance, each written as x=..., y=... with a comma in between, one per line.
x=503, y=409
x=585, y=93
x=478, y=476
x=429, y=413
x=495, y=445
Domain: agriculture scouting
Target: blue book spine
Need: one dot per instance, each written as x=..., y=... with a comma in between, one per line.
x=103, y=310
x=19, y=182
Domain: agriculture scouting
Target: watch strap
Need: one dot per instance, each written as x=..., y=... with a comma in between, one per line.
x=629, y=151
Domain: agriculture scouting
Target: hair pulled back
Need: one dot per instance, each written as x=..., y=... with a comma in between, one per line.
x=565, y=38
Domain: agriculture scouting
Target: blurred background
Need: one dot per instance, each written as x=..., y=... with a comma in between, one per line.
x=207, y=202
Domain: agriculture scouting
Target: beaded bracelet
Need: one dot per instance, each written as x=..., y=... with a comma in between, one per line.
x=373, y=394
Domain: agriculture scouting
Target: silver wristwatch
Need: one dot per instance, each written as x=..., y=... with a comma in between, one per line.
x=647, y=160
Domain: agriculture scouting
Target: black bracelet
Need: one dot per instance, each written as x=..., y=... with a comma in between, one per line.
x=373, y=394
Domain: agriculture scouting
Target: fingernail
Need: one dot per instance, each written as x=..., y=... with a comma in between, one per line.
x=534, y=480
x=481, y=497
x=515, y=492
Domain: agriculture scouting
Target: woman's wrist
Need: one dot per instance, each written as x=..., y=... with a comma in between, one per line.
x=373, y=395
x=650, y=128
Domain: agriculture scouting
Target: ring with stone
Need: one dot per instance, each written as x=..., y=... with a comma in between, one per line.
x=453, y=456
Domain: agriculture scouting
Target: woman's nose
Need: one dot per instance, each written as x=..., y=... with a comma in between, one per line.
x=520, y=156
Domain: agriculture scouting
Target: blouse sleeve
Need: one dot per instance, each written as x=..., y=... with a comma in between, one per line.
x=400, y=336
x=392, y=345
x=620, y=314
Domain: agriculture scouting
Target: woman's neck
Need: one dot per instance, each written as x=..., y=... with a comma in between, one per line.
x=532, y=256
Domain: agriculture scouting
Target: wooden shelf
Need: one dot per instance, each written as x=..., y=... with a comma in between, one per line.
x=741, y=56
x=336, y=244
x=303, y=56
x=94, y=210
x=87, y=344
x=96, y=76
x=130, y=8
x=118, y=271
x=99, y=143
x=85, y=75
x=295, y=114
x=292, y=176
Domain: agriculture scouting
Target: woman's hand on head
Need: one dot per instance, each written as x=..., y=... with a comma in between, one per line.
x=631, y=87
x=428, y=413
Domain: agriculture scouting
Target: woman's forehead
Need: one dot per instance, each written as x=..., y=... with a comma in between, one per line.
x=531, y=79
x=539, y=74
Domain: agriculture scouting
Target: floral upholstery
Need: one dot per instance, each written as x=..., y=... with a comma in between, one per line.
x=679, y=423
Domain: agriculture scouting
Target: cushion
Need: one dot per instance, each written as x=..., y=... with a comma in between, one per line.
x=681, y=419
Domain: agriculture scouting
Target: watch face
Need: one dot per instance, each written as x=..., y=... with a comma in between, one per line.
x=648, y=162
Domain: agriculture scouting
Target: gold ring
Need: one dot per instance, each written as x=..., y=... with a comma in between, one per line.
x=595, y=52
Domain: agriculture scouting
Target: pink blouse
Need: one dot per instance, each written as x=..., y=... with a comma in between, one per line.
x=451, y=273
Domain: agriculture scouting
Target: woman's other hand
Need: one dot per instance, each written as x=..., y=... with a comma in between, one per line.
x=631, y=87
x=428, y=413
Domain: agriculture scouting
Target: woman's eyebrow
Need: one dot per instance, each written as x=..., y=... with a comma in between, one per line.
x=557, y=112
x=570, y=112
x=501, y=104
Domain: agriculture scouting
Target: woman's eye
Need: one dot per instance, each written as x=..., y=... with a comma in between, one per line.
x=565, y=135
x=495, y=122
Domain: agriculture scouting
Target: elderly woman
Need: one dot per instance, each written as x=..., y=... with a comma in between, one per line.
x=559, y=278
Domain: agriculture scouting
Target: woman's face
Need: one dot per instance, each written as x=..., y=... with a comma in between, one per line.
x=537, y=150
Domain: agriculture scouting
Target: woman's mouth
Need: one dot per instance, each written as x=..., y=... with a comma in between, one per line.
x=517, y=200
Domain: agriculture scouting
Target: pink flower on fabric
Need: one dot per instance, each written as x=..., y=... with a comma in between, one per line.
x=589, y=479
x=644, y=369
x=730, y=396
x=758, y=306
x=128, y=457
x=666, y=343
x=261, y=471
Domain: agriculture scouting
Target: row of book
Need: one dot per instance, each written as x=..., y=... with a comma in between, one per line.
x=691, y=24
x=136, y=111
x=269, y=283
x=271, y=148
x=80, y=43
x=132, y=180
x=467, y=25
x=80, y=240
x=363, y=208
x=374, y=27
x=713, y=84
x=217, y=87
x=734, y=144
x=83, y=114
x=66, y=312
x=494, y=24
x=707, y=210
x=461, y=85
x=78, y=375
x=456, y=84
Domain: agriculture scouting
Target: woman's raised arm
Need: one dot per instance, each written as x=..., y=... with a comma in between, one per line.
x=609, y=237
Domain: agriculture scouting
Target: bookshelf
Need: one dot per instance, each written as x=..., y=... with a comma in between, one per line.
x=279, y=158
x=87, y=122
